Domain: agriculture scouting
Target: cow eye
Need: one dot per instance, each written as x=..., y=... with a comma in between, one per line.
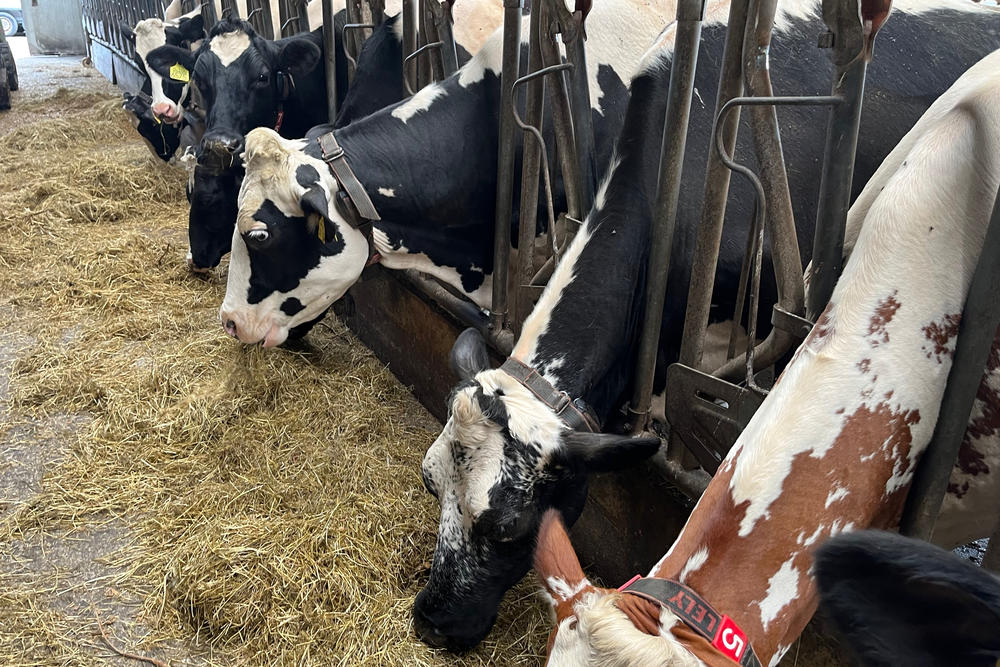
x=262, y=77
x=258, y=235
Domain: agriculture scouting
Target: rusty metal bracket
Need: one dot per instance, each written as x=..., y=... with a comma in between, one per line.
x=797, y=326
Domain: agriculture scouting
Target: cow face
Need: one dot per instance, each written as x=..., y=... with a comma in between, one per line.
x=168, y=95
x=243, y=79
x=212, y=193
x=293, y=254
x=503, y=458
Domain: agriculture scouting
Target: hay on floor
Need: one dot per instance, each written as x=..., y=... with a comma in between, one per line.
x=271, y=500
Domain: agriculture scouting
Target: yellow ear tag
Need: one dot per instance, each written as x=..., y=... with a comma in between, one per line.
x=321, y=229
x=179, y=73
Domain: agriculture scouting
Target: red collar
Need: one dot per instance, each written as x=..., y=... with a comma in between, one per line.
x=720, y=630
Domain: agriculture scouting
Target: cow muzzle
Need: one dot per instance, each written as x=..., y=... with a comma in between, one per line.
x=264, y=334
x=227, y=145
x=167, y=113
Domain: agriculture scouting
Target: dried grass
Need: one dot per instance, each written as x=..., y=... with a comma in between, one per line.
x=273, y=500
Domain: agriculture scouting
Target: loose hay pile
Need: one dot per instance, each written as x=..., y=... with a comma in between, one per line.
x=268, y=504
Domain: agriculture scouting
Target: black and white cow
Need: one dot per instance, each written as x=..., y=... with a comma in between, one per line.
x=428, y=164
x=158, y=111
x=900, y=601
x=295, y=101
x=504, y=457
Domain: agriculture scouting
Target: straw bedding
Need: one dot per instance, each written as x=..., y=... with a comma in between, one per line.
x=265, y=506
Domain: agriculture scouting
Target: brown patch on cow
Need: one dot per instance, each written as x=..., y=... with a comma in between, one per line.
x=884, y=312
x=820, y=332
x=972, y=461
x=941, y=334
x=864, y=365
x=735, y=577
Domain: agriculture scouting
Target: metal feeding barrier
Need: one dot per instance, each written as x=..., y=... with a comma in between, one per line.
x=551, y=23
x=706, y=409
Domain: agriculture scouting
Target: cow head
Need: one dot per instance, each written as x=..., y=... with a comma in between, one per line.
x=293, y=253
x=212, y=192
x=168, y=94
x=599, y=626
x=243, y=79
x=502, y=459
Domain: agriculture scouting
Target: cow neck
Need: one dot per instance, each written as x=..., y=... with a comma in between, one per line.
x=580, y=334
x=834, y=447
x=439, y=163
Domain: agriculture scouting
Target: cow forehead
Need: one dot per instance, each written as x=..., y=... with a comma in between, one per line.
x=149, y=34
x=229, y=46
x=529, y=420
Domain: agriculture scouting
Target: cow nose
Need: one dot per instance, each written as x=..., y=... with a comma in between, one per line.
x=230, y=327
x=223, y=144
x=427, y=631
x=164, y=111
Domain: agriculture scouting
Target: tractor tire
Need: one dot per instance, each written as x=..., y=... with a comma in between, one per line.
x=4, y=90
x=7, y=58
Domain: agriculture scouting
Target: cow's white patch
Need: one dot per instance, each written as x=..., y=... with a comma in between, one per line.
x=838, y=493
x=402, y=258
x=779, y=653
x=693, y=563
x=602, y=190
x=421, y=101
x=229, y=46
x=782, y=588
x=561, y=589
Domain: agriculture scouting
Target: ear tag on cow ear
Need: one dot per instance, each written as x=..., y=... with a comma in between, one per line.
x=179, y=73
x=321, y=230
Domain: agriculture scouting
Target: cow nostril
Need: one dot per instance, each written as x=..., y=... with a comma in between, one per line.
x=230, y=328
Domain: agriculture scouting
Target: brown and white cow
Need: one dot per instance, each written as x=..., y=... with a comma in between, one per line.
x=834, y=446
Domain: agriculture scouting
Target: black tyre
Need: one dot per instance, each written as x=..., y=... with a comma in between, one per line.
x=8, y=24
x=4, y=90
x=7, y=58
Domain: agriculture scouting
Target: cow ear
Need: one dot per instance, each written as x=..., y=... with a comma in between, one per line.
x=163, y=58
x=603, y=452
x=556, y=562
x=127, y=32
x=299, y=56
x=469, y=354
x=902, y=601
x=192, y=29
x=315, y=205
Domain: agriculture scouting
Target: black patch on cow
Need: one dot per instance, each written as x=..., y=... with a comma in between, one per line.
x=289, y=237
x=291, y=306
x=306, y=175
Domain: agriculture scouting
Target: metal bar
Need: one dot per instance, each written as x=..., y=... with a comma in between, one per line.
x=713, y=214
x=348, y=28
x=444, y=24
x=690, y=14
x=562, y=113
x=531, y=164
x=429, y=24
x=850, y=68
x=976, y=333
x=409, y=39
x=767, y=143
x=505, y=162
x=330, y=55
x=413, y=57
